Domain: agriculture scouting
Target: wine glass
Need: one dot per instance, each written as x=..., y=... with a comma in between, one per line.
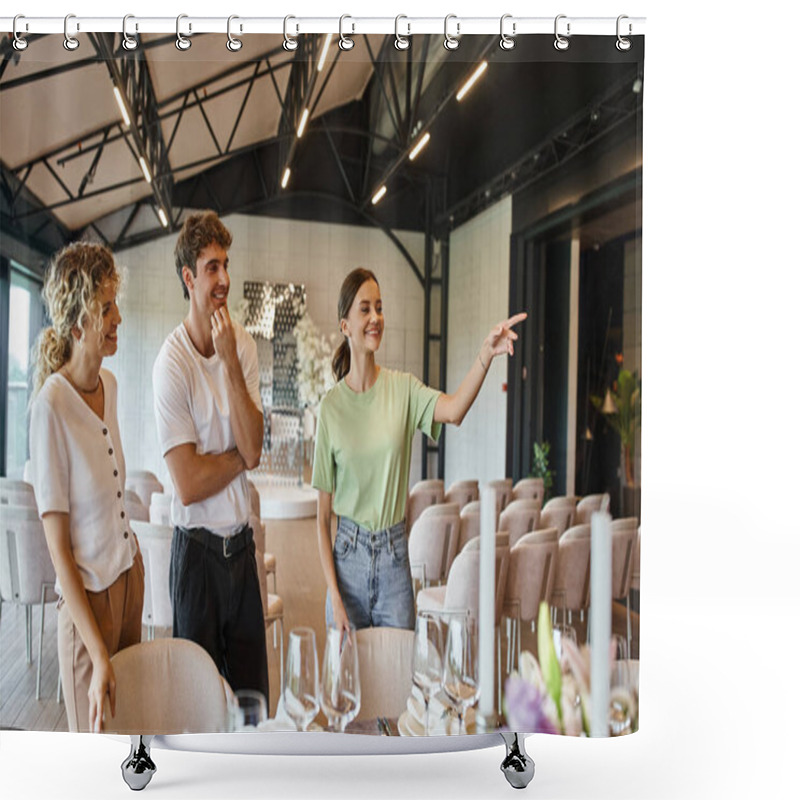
x=460, y=676
x=249, y=709
x=561, y=632
x=301, y=681
x=341, y=688
x=427, y=674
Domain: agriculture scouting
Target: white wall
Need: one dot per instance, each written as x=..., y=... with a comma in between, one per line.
x=315, y=254
x=478, y=299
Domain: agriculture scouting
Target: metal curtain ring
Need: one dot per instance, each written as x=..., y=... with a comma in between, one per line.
x=623, y=44
x=451, y=42
x=70, y=42
x=19, y=43
x=128, y=41
x=507, y=42
x=181, y=42
x=233, y=44
x=561, y=42
x=289, y=42
x=401, y=42
x=345, y=42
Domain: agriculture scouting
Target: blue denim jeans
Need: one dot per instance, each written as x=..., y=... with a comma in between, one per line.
x=373, y=576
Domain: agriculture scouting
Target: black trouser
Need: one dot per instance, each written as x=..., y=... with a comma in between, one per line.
x=216, y=602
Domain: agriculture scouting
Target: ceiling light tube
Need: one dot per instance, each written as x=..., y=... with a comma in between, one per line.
x=121, y=103
x=422, y=142
x=324, y=52
x=143, y=165
x=376, y=198
x=286, y=173
x=472, y=78
x=163, y=217
x=303, y=121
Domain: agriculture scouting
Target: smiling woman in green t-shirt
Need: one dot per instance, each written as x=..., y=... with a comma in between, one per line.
x=362, y=458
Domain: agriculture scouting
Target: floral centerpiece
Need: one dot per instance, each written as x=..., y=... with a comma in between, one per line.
x=554, y=696
x=314, y=373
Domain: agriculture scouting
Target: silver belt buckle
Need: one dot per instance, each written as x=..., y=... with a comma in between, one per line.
x=225, y=552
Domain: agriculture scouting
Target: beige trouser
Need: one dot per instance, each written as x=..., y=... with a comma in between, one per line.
x=118, y=611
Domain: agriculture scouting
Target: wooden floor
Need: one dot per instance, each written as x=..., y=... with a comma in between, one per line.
x=300, y=584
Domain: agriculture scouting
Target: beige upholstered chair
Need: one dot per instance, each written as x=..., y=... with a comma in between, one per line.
x=385, y=662
x=167, y=686
x=470, y=523
x=26, y=571
x=272, y=603
x=462, y=492
x=432, y=543
x=623, y=543
x=269, y=560
x=422, y=495
x=572, y=583
x=16, y=493
x=531, y=575
x=588, y=505
x=159, y=508
x=135, y=508
x=529, y=489
x=155, y=542
x=560, y=515
x=144, y=483
x=518, y=518
x=637, y=560
x=503, y=489
x=451, y=511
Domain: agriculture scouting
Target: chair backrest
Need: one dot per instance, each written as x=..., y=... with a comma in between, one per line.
x=385, y=663
x=518, y=518
x=166, y=686
x=637, y=559
x=144, y=483
x=429, y=545
x=155, y=542
x=531, y=573
x=572, y=581
x=503, y=488
x=470, y=523
x=588, y=505
x=623, y=541
x=561, y=517
x=160, y=503
x=259, y=540
x=462, y=492
x=451, y=512
x=16, y=493
x=25, y=563
x=529, y=489
x=135, y=508
x=255, y=499
x=422, y=495
x=562, y=501
x=463, y=590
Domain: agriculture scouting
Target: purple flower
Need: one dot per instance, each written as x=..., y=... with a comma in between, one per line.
x=527, y=707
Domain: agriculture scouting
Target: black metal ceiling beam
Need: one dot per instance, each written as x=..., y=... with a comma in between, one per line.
x=67, y=66
x=242, y=107
x=339, y=164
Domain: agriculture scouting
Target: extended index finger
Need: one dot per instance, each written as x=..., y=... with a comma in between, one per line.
x=512, y=321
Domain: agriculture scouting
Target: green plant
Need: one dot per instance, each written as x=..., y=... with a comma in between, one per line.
x=540, y=467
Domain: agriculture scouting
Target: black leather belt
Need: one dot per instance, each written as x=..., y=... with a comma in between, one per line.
x=225, y=546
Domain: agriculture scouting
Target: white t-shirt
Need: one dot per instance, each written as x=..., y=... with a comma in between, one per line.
x=192, y=406
x=77, y=467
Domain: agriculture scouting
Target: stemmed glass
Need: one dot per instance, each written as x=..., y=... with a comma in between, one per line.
x=301, y=681
x=460, y=676
x=427, y=674
x=341, y=688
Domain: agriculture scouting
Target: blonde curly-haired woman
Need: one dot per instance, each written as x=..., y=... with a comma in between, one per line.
x=78, y=472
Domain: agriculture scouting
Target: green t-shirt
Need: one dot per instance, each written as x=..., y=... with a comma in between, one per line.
x=363, y=450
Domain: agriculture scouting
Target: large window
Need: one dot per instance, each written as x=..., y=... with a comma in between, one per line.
x=25, y=319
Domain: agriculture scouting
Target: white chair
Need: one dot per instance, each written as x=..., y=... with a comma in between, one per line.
x=385, y=665
x=272, y=604
x=503, y=489
x=433, y=543
x=531, y=576
x=155, y=542
x=167, y=686
x=144, y=483
x=529, y=489
x=26, y=572
x=572, y=582
x=470, y=523
x=160, y=503
x=422, y=495
x=16, y=493
x=462, y=492
x=518, y=518
x=623, y=543
x=134, y=507
x=588, y=505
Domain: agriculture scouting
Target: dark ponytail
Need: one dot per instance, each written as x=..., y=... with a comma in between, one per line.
x=347, y=294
